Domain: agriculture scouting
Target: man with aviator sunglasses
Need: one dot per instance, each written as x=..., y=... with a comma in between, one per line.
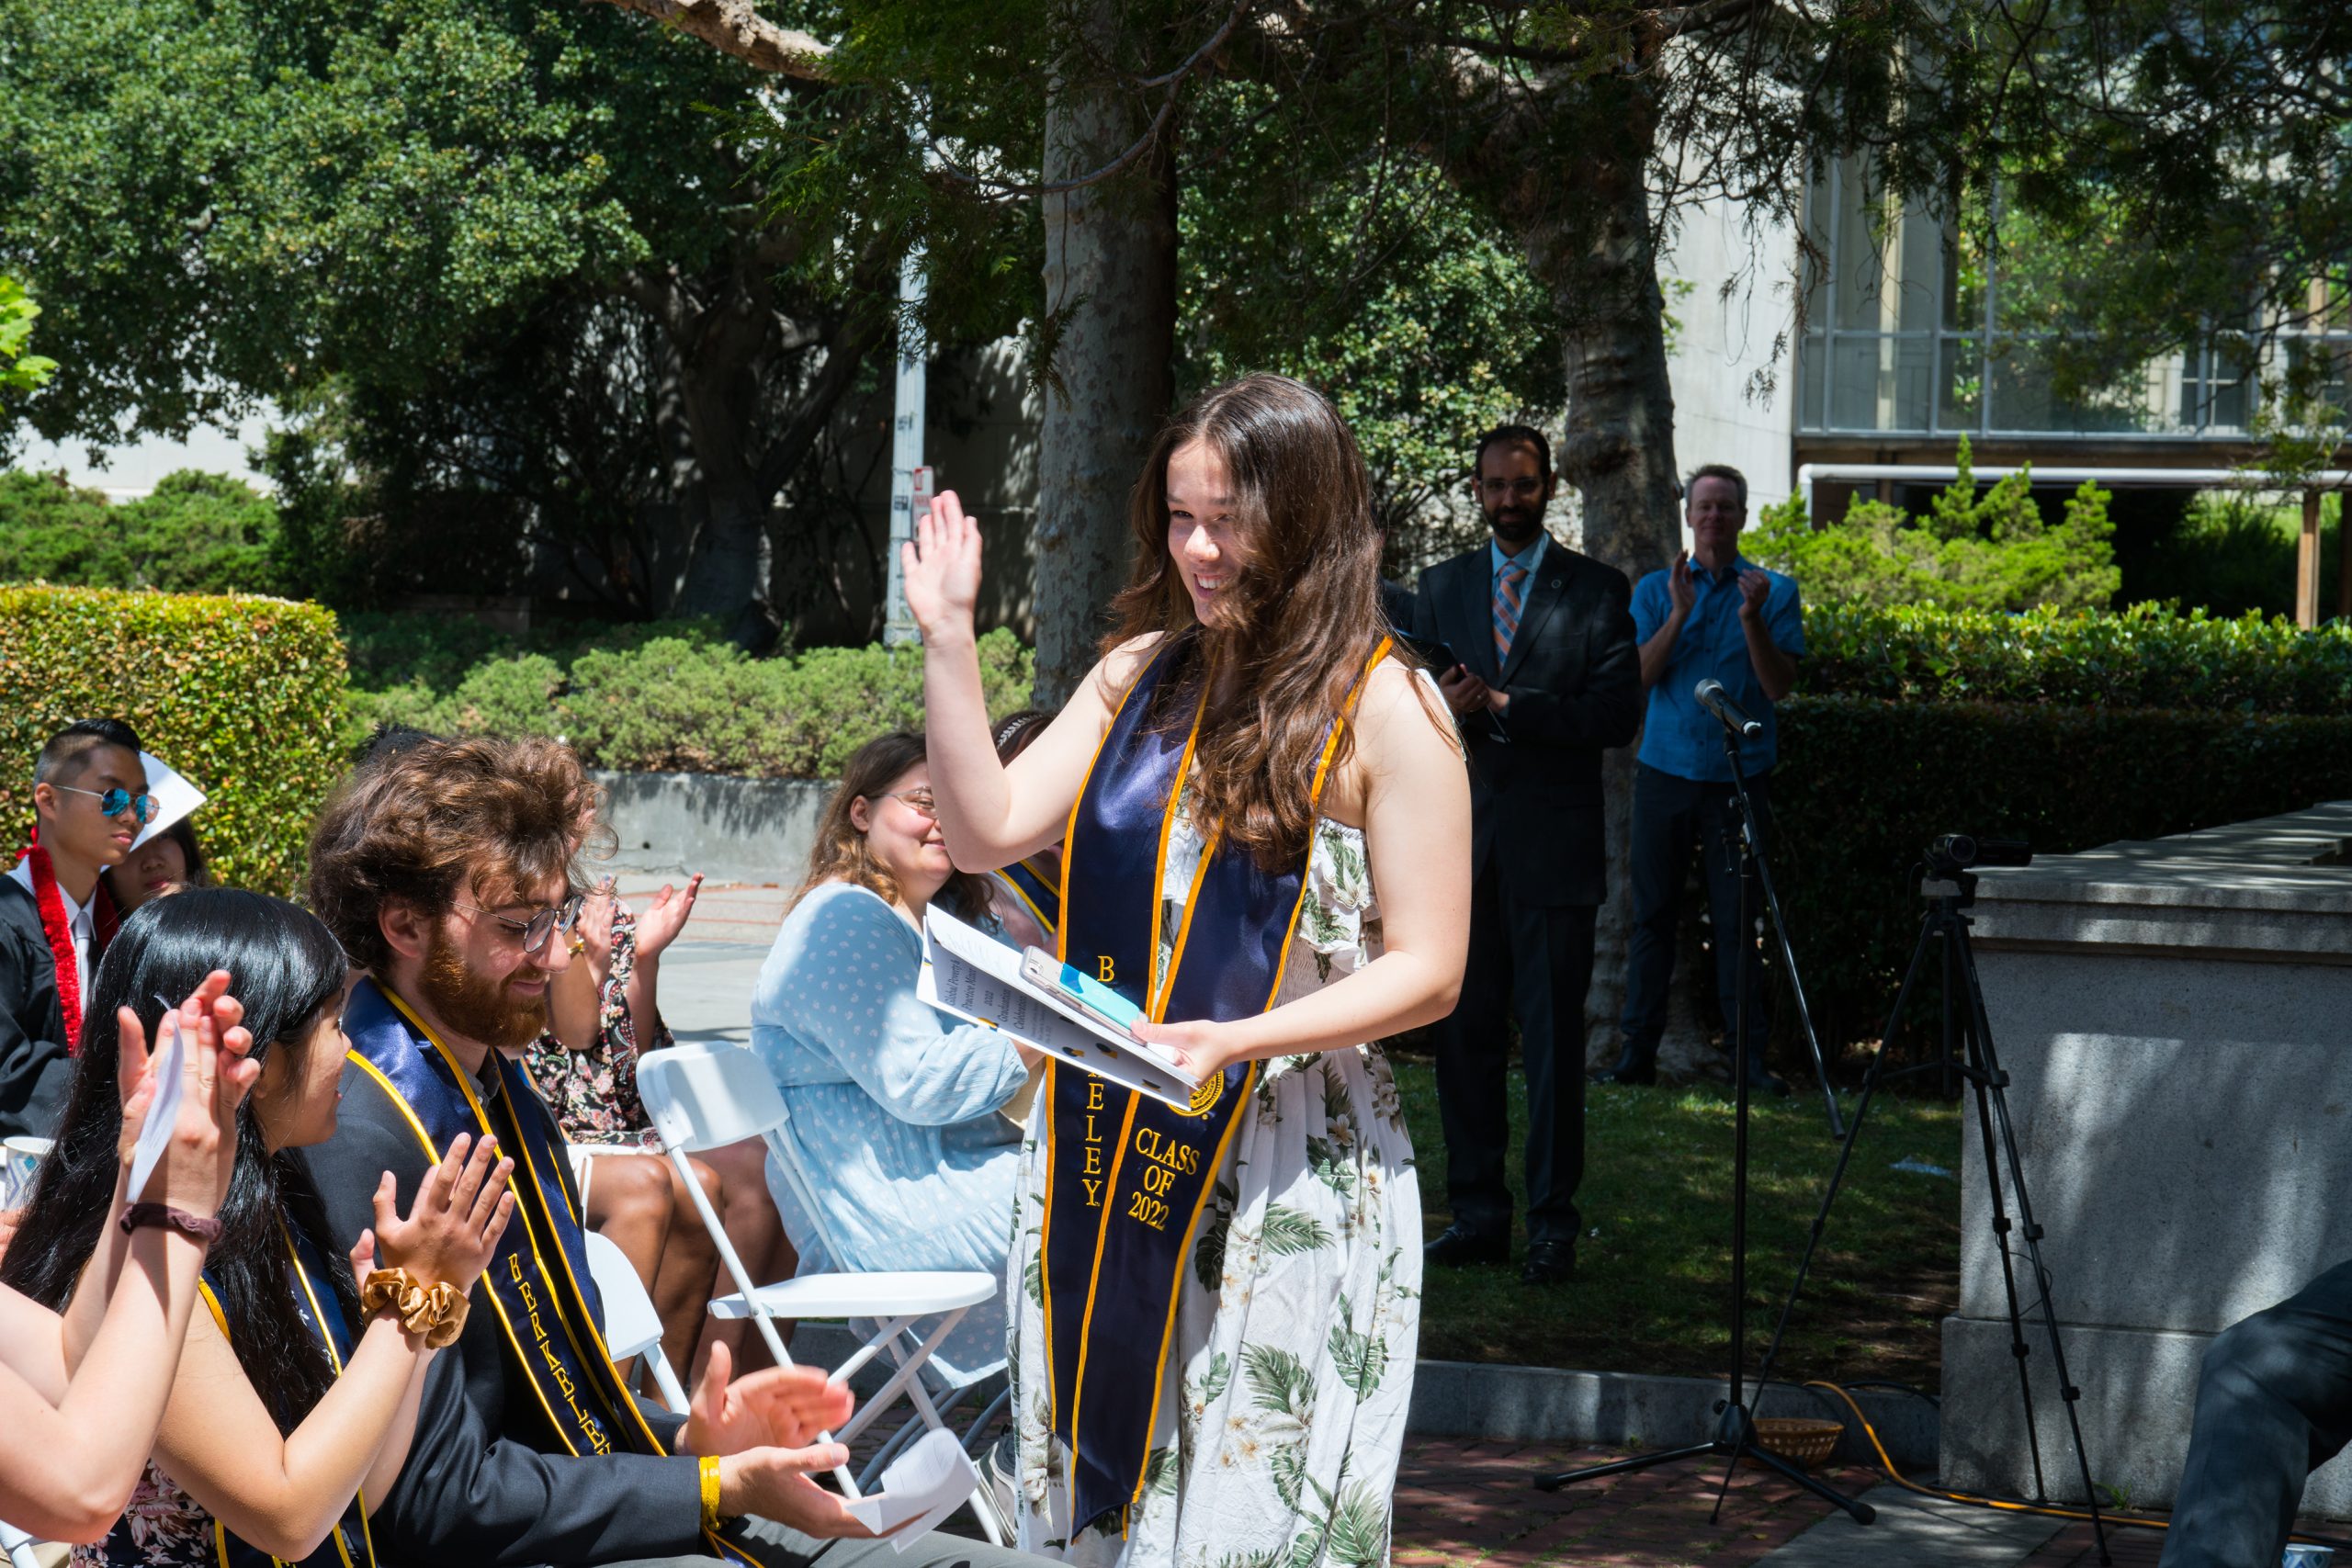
x=90, y=800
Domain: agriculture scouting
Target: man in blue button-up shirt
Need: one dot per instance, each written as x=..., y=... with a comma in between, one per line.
x=1711, y=615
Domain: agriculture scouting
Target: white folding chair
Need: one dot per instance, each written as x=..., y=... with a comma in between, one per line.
x=632, y=1326
x=19, y=1545
x=709, y=1094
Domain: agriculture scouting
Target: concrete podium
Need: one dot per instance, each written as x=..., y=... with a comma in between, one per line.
x=2175, y=1017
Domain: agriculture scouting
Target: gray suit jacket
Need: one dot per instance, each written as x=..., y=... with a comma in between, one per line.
x=1575, y=682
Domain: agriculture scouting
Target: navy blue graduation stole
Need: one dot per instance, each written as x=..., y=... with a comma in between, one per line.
x=1043, y=897
x=349, y=1544
x=1127, y=1176
x=538, y=1284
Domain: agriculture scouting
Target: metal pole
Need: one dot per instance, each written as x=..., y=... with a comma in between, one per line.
x=910, y=487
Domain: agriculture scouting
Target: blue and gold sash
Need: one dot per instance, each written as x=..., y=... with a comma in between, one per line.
x=348, y=1545
x=538, y=1283
x=1043, y=897
x=1127, y=1176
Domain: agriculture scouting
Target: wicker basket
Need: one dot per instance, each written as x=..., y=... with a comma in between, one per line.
x=1802, y=1440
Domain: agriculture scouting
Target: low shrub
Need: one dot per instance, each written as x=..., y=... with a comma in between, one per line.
x=696, y=705
x=242, y=695
x=2150, y=656
x=196, y=533
x=1864, y=784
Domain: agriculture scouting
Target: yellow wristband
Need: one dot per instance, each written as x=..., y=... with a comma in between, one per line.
x=709, y=1468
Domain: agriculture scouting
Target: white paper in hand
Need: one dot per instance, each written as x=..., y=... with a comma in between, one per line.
x=163, y=1111
x=920, y=1489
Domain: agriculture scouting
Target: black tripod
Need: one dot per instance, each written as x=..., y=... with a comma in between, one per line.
x=1734, y=1438
x=1950, y=889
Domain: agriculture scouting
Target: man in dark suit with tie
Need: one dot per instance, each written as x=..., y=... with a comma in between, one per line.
x=1549, y=676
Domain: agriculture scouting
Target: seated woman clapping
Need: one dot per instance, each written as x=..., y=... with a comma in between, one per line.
x=296, y=1389
x=78, y=1444
x=893, y=1105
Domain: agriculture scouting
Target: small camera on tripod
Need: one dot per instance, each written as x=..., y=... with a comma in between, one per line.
x=1955, y=852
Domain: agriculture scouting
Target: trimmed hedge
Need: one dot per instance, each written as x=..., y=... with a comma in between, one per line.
x=695, y=704
x=242, y=695
x=2150, y=656
x=1863, y=784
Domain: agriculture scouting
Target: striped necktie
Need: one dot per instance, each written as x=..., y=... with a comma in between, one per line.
x=1506, y=603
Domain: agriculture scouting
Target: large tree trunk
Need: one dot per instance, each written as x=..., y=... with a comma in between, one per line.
x=1111, y=264
x=1620, y=457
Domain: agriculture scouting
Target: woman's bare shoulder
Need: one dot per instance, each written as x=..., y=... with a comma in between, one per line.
x=1117, y=670
x=1400, y=706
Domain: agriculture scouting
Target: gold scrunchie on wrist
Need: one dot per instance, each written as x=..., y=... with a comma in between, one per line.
x=438, y=1313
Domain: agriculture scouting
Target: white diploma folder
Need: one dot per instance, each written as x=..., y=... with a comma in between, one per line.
x=920, y=1489
x=973, y=975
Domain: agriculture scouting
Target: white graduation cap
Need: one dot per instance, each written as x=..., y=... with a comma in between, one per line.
x=175, y=796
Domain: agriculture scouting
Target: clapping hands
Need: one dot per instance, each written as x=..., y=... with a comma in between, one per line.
x=215, y=1077
x=453, y=1226
x=763, y=1429
x=658, y=924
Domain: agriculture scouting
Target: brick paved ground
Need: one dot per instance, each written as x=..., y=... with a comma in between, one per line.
x=1463, y=1502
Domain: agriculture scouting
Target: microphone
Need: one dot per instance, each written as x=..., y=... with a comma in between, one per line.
x=1715, y=700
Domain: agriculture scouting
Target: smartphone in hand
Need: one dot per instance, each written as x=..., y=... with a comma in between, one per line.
x=1081, y=990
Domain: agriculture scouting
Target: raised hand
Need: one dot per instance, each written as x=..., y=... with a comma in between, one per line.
x=216, y=1074
x=454, y=1225
x=774, y=1407
x=1754, y=588
x=662, y=918
x=1680, y=592
x=941, y=566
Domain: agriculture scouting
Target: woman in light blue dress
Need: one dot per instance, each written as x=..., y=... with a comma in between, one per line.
x=897, y=1110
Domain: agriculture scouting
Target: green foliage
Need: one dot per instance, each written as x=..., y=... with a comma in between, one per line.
x=196, y=533
x=1988, y=552
x=242, y=695
x=2149, y=656
x=684, y=703
x=21, y=370
x=1869, y=782
x=2233, y=553
x=1359, y=270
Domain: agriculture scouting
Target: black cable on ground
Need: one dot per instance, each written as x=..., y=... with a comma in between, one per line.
x=2008, y=1505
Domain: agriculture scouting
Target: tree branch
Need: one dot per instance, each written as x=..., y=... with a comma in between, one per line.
x=736, y=27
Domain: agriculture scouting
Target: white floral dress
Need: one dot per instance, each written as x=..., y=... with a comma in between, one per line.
x=1298, y=1311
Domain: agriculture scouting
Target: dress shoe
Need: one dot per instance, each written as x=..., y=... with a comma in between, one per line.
x=1634, y=1066
x=1459, y=1244
x=1549, y=1263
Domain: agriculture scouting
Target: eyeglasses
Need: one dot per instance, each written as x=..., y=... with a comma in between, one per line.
x=921, y=802
x=115, y=802
x=542, y=924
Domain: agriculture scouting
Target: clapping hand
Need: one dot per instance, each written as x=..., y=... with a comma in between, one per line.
x=215, y=1074
x=1754, y=588
x=1681, y=594
x=941, y=568
x=662, y=918
x=453, y=1225
x=595, y=929
x=758, y=1426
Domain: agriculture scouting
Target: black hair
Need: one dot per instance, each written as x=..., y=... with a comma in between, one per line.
x=389, y=740
x=1514, y=434
x=1016, y=731
x=70, y=744
x=288, y=970
x=1717, y=471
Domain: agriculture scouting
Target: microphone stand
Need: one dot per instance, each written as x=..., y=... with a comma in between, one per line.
x=1734, y=1438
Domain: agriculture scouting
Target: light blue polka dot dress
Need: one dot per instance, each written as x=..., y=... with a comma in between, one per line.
x=895, y=1106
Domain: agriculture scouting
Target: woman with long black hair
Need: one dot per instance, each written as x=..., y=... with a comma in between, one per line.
x=297, y=1390
x=78, y=1444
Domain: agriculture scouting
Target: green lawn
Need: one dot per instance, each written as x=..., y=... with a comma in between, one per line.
x=1654, y=1265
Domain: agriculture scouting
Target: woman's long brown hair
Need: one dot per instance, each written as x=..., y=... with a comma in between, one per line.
x=1291, y=631
x=842, y=854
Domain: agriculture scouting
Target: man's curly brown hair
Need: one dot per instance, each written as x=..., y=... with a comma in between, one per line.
x=439, y=820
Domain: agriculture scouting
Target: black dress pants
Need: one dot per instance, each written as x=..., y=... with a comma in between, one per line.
x=1669, y=814
x=2274, y=1402
x=1536, y=961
